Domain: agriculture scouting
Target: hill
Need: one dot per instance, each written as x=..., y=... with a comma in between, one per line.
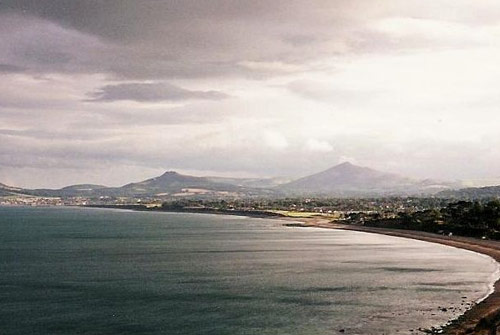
x=168, y=184
x=472, y=193
x=6, y=190
x=347, y=179
x=344, y=180
x=172, y=183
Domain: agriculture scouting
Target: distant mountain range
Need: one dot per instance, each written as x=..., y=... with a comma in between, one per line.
x=168, y=184
x=343, y=180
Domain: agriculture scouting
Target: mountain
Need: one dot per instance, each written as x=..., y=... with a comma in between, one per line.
x=173, y=182
x=6, y=190
x=82, y=190
x=342, y=180
x=347, y=179
x=168, y=184
x=472, y=193
x=79, y=190
x=83, y=187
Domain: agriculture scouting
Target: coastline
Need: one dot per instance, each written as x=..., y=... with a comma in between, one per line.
x=481, y=319
x=484, y=317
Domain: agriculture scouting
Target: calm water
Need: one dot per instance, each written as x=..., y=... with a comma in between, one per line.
x=95, y=271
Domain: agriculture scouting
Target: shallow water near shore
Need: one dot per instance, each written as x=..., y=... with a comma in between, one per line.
x=97, y=271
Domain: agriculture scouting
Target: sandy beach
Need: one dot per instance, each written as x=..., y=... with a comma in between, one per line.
x=482, y=318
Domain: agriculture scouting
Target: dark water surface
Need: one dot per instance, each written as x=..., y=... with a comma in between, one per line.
x=96, y=271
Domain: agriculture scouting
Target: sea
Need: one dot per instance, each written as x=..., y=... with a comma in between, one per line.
x=103, y=271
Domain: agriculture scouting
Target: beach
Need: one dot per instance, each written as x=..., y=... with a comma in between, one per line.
x=482, y=318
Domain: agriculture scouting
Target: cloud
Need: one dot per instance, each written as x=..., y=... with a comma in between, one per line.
x=7, y=68
x=165, y=40
x=271, y=67
x=187, y=39
x=151, y=92
x=39, y=46
x=330, y=91
x=275, y=140
x=313, y=144
x=262, y=87
x=61, y=134
x=174, y=39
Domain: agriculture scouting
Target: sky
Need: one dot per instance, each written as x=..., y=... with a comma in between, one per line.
x=115, y=91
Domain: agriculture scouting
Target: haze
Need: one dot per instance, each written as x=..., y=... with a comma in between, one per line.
x=113, y=91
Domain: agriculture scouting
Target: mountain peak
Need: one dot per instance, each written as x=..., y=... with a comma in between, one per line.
x=345, y=166
x=349, y=179
x=348, y=168
x=170, y=173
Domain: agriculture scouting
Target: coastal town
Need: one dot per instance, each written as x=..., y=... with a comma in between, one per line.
x=336, y=208
x=439, y=215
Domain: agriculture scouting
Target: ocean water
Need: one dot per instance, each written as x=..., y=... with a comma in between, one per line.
x=98, y=271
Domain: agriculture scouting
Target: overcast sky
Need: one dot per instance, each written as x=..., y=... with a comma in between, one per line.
x=115, y=91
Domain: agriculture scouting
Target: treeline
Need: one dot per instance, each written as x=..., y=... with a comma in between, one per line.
x=463, y=218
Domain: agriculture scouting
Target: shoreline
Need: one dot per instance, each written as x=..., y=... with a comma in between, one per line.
x=482, y=318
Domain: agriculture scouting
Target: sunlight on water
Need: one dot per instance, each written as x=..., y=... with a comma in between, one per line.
x=95, y=271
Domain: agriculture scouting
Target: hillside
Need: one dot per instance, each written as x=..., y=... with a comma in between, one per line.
x=347, y=179
x=170, y=183
x=343, y=180
x=472, y=193
x=250, y=182
x=173, y=182
x=6, y=190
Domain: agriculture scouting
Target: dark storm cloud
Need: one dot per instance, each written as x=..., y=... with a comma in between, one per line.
x=40, y=46
x=166, y=39
x=151, y=92
x=149, y=40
